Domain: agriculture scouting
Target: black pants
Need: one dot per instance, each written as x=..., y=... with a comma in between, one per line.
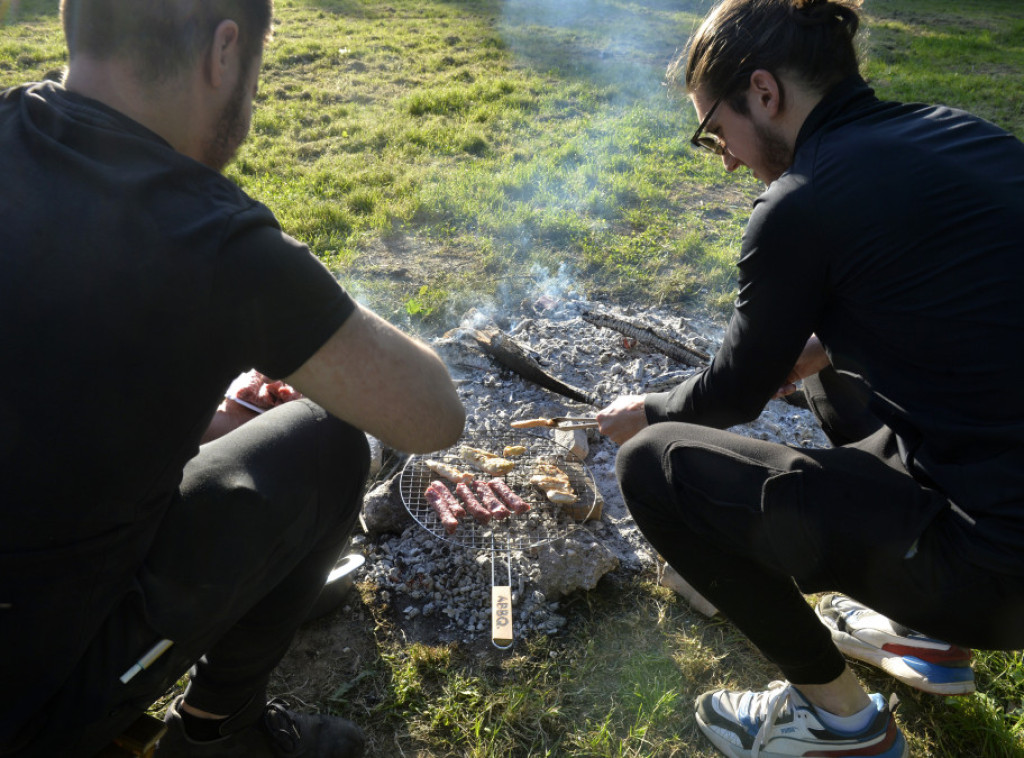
x=752, y=525
x=260, y=518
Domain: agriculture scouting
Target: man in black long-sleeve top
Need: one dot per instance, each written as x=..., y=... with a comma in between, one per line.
x=883, y=266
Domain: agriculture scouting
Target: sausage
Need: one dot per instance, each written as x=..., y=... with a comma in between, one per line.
x=490, y=500
x=475, y=508
x=452, y=502
x=515, y=503
x=438, y=496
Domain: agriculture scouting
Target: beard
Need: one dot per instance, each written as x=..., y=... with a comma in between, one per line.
x=231, y=130
x=775, y=153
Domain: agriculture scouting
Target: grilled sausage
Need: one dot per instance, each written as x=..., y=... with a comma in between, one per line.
x=515, y=503
x=490, y=500
x=438, y=496
x=475, y=508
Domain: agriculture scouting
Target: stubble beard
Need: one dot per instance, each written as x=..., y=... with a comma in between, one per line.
x=231, y=130
x=776, y=154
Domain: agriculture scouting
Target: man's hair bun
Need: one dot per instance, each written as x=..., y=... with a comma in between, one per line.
x=820, y=12
x=809, y=40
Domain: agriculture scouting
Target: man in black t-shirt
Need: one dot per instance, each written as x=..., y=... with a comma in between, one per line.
x=883, y=253
x=138, y=282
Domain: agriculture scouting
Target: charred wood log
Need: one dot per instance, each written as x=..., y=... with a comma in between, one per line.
x=648, y=337
x=513, y=356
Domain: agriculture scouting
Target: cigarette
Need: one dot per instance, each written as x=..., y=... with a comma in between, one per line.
x=146, y=661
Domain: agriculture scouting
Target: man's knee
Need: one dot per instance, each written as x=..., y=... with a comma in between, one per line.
x=695, y=467
x=344, y=466
x=634, y=455
x=644, y=475
x=333, y=454
x=345, y=451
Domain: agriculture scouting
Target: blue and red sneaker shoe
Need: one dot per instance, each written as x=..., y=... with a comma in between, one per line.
x=924, y=663
x=780, y=723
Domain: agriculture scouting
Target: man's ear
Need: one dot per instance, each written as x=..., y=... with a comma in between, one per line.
x=765, y=92
x=224, y=52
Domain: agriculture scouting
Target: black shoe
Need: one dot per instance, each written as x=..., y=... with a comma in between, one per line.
x=274, y=733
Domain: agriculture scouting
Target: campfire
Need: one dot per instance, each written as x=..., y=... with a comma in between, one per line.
x=556, y=358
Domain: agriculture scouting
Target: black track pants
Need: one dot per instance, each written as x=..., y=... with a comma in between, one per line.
x=753, y=525
x=261, y=516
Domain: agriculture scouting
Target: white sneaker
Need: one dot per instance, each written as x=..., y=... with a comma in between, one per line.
x=780, y=723
x=925, y=663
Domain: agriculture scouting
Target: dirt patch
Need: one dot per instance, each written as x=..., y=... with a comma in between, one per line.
x=330, y=655
x=405, y=258
x=335, y=663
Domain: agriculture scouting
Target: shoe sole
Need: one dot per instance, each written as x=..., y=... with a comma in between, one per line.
x=719, y=741
x=898, y=667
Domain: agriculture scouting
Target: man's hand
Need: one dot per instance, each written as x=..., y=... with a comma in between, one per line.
x=812, y=359
x=623, y=418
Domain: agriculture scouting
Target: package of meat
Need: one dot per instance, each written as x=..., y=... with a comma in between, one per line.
x=260, y=393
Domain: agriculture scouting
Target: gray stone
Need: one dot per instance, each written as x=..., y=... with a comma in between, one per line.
x=575, y=440
x=576, y=565
x=376, y=455
x=383, y=511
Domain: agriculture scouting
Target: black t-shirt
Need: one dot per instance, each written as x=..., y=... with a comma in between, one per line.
x=895, y=237
x=136, y=284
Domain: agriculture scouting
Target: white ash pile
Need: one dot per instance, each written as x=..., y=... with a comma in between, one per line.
x=442, y=591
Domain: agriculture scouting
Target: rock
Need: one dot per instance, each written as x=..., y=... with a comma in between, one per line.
x=376, y=455
x=575, y=565
x=383, y=511
x=575, y=440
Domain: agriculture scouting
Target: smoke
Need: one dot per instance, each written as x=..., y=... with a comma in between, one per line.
x=606, y=60
x=558, y=286
x=607, y=104
x=622, y=46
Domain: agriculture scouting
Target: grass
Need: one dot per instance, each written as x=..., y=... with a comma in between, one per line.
x=441, y=154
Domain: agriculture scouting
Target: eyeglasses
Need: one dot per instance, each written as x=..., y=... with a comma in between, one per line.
x=710, y=142
x=713, y=142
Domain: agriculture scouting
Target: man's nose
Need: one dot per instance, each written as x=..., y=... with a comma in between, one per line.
x=730, y=161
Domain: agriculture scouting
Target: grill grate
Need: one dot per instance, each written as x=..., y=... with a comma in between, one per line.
x=545, y=521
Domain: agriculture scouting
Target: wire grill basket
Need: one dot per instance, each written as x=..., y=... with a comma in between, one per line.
x=544, y=522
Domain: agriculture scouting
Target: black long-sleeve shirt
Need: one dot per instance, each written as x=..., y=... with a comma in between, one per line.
x=895, y=237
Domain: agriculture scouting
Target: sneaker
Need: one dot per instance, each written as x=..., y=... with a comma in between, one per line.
x=274, y=733
x=925, y=663
x=779, y=723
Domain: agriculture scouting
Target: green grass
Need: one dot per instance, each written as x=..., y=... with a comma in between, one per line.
x=533, y=137
x=439, y=155
x=966, y=54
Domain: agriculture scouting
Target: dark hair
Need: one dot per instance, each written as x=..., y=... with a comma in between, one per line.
x=811, y=40
x=161, y=37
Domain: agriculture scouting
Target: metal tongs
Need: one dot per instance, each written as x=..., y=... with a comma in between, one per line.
x=559, y=422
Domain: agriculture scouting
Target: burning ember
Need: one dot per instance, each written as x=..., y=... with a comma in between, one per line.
x=557, y=358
